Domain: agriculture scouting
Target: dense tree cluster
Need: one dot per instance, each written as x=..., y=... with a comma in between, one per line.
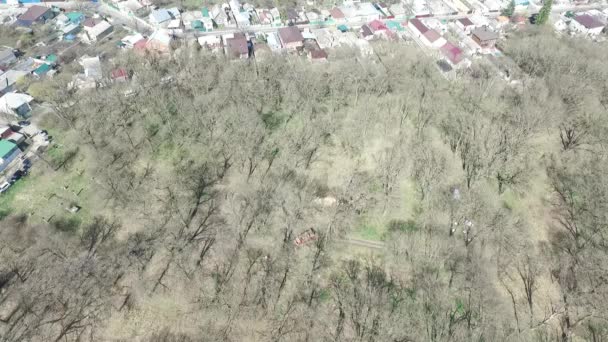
x=491, y=197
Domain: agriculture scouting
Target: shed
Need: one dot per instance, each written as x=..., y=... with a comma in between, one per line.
x=35, y=14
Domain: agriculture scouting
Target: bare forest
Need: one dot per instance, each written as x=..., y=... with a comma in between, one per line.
x=366, y=199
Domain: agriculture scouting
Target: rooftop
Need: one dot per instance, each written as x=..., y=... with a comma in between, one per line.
x=6, y=147
x=290, y=34
x=432, y=35
x=588, y=21
x=483, y=34
x=34, y=13
x=465, y=22
x=419, y=25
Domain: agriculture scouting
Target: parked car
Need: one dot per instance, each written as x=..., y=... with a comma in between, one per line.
x=17, y=176
x=27, y=164
x=4, y=186
x=24, y=123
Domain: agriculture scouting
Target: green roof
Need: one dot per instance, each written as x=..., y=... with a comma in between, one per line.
x=6, y=147
x=74, y=16
x=394, y=25
x=52, y=58
x=196, y=24
x=343, y=28
x=42, y=69
x=205, y=12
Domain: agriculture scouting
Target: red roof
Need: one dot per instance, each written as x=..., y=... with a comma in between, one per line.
x=91, y=22
x=318, y=54
x=34, y=13
x=452, y=52
x=588, y=21
x=336, y=13
x=377, y=25
x=466, y=22
x=432, y=35
x=418, y=25
x=119, y=73
x=237, y=46
x=290, y=34
x=141, y=44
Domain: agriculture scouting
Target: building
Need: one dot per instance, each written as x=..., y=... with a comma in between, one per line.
x=366, y=32
x=465, y=24
x=236, y=46
x=160, y=16
x=587, y=24
x=336, y=13
x=9, y=78
x=8, y=152
x=324, y=37
x=159, y=42
x=16, y=104
x=318, y=55
x=7, y=56
x=213, y=43
x=97, y=32
x=433, y=39
x=35, y=14
x=417, y=27
x=484, y=37
x=291, y=37
x=273, y=41
x=452, y=53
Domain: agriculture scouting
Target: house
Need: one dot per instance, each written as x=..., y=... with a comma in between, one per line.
x=207, y=23
x=213, y=43
x=587, y=24
x=160, y=16
x=324, y=39
x=130, y=40
x=90, y=22
x=6, y=133
x=336, y=13
x=8, y=152
x=236, y=46
x=75, y=17
x=273, y=41
x=318, y=55
x=97, y=32
x=119, y=75
x=291, y=37
x=9, y=78
x=397, y=11
x=159, y=42
x=130, y=7
x=92, y=67
x=433, y=39
x=16, y=104
x=377, y=26
x=366, y=32
x=465, y=24
x=35, y=14
x=452, y=52
x=417, y=27
x=7, y=56
x=484, y=37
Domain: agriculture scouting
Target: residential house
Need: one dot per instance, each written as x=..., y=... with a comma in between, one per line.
x=91, y=22
x=291, y=37
x=397, y=11
x=317, y=55
x=207, y=23
x=465, y=24
x=417, y=27
x=484, y=37
x=160, y=42
x=130, y=40
x=587, y=24
x=35, y=14
x=213, y=43
x=97, y=32
x=324, y=38
x=6, y=133
x=236, y=46
x=265, y=17
x=336, y=13
x=7, y=56
x=366, y=32
x=8, y=152
x=452, y=52
x=433, y=39
x=160, y=17
x=75, y=17
x=273, y=41
x=276, y=15
x=16, y=104
x=119, y=75
x=92, y=67
x=130, y=7
x=9, y=78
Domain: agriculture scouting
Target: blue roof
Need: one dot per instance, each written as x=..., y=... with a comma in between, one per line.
x=161, y=15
